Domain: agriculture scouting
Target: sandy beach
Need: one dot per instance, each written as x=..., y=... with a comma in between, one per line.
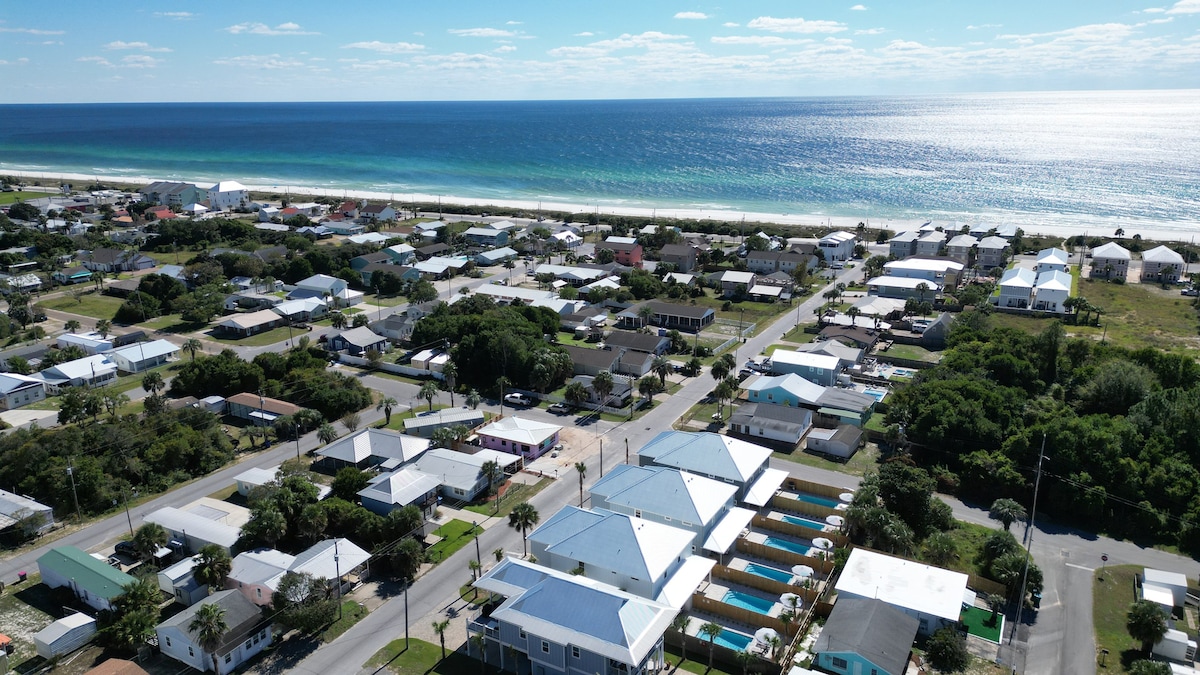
x=1062, y=225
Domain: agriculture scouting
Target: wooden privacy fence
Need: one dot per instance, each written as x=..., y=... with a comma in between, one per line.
x=809, y=595
x=820, y=489
x=781, y=556
x=743, y=616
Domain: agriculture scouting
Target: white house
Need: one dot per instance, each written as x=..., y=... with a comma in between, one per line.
x=1052, y=260
x=1051, y=291
x=93, y=371
x=1016, y=288
x=302, y=309
x=20, y=390
x=929, y=269
x=837, y=246
x=1168, y=589
x=931, y=243
x=90, y=343
x=1161, y=264
x=247, y=634
x=228, y=194
x=14, y=509
x=179, y=581
x=962, y=247
x=903, y=288
x=820, y=368
x=932, y=594
x=336, y=290
x=1110, y=260
x=143, y=355
x=771, y=422
x=190, y=531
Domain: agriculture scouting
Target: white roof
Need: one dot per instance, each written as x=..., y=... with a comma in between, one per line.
x=838, y=237
x=1020, y=277
x=1052, y=256
x=679, y=278
x=520, y=430
x=566, y=236
x=459, y=469
x=621, y=240
x=430, y=267
x=58, y=629
x=180, y=569
x=1163, y=578
x=502, y=225
x=1112, y=250
x=146, y=350
x=264, y=567
x=318, y=560
x=906, y=237
x=257, y=476
x=1054, y=280
x=764, y=488
x=577, y=273
x=81, y=368
x=290, y=307
x=873, y=305
x=321, y=282
x=1162, y=254
x=903, y=282
x=998, y=243
x=683, y=583
x=727, y=531
x=930, y=237
x=400, y=487
x=227, y=186
x=770, y=291
x=251, y=319
x=903, y=584
x=732, y=277
x=483, y=232
x=807, y=359
x=923, y=265
x=498, y=253
x=1159, y=595
x=211, y=531
x=373, y=442
x=196, y=208
x=963, y=240
x=509, y=292
x=12, y=381
x=401, y=249
x=368, y=238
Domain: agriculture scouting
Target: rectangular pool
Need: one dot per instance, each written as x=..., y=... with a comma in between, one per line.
x=819, y=501
x=804, y=522
x=750, y=602
x=876, y=394
x=799, y=549
x=769, y=572
x=733, y=640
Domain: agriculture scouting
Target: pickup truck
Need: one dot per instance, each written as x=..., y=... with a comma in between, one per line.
x=517, y=399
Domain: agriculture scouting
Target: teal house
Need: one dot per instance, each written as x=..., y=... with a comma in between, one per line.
x=865, y=637
x=92, y=580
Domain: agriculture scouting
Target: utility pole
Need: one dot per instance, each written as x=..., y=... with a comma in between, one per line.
x=1028, y=540
x=626, y=450
x=297, y=426
x=602, y=458
x=338, y=570
x=475, y=529
x=74, y=493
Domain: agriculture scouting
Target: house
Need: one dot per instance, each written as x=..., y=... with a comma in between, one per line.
x=520, y=436
x=624, y=253
x=251, y=323
x=1161, y=264
x=377, y=212
x=256, y=574
x=733, y=282
x=931, y=594
x=859, y=337
x=20, y=390
x=375, y=238
x=372, y=447
x=432, y=250
x=347, y=209
x=1016, y=288
x=702, y=506
x=398, y=489
x=200, y=524
x=636, y=555
x=622, y=361
x=179, y=581
x=842, y=441
x=771, y=422
x=638, y=342
x=495, y=256
x=938, y=270
x=1109, y=260
x=787, y=262
x=344, y=227
x=837, y=246
x=251, y=301
x=553, y=623
x=116, y=260
x=165, y=193
x=485, y=236
x=679, y=278
x=833, y=405
x=401, y=254
x=903, y=288
x=255, y=477
x=903, y=245
x=317, y=231
x=247, y=633
x=93, y=371
x=576, y=276
x=865, y=636
x=336, y=291
x=31, y=354
x=333, y=559
x=399, y=326
x=1167, y=589
x=460, y=474
x=722, y=458
x=25, y=283
x=143, y=356
x=160, y=213
x=357, y=263
x=301, y=310
x=820, y=368
x=622, y=390
x=847, y=356
x=1051, y=290
x=94, y=582
x=962, y=248
x=73, y=275
x=267, y=213
x=64, y=636
x=401, y=272
x=358, y=341
x=682, y=256
x=567, y=239
x=33, y=517
x=930, y=243
x=90, y=342
x=227, y=195
x=424, y=424
x=1052, y=260
x=261, y=410
x=991, y=252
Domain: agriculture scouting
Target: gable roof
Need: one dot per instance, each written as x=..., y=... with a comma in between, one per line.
x=1052, y=256
x=262, y=567
x=520, y=430
x=872, y=629
x=786, y=419
x=1112, y=250
x=677, y=494
x=96, y=576
x=195, y=525
x=686, y=311
x=373, y=442
x=146, y=350
x=1019, y=277
x=641, y=342
x=318, y=559
x=804, y=390
x=361, y=337
x=1054, y=280
x=707, y=453
x=241, y=616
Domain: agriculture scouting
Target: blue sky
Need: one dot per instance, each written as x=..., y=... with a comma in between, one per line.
x=303, y=50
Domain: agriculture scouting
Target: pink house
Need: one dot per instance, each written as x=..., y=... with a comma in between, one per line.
x=624, y=253
x=518, y=436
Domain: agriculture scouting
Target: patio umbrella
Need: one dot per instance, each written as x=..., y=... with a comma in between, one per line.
x=846, y=497
x=823, y=543
x=764, y=635
x=802, y=571
x=791, y=600
x=836, y=521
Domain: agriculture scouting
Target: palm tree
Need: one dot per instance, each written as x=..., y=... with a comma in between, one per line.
x=602, y=384
x=337, y=320
x=209, y=626
x=440, y=627
x=744, y=659
x=153, y=382
x=1146, y=623
x=326, y=433
x=680, y=625
x=661, y=367
x=719, y=371
x=853, y=313
x=213, y=566
x=193, y=345
x=1007, y=511
x=582, y=469
x=646, y=314
x=103, y=326
x=148, y=539
x=474, y=566
x=523, y=516
x=491, y=471
x=429, y=391
x=922, y=289
x=724, y=392
x=450, y=373
x=474, y=399
x=386, y=404
x=72, y=326
x=575, y=393
x=498, y=554
x=711, y=630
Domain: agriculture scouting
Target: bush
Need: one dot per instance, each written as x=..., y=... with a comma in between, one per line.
x=947, y=651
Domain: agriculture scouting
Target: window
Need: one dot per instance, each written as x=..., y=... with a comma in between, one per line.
x=191, y=652
x=249, y=643
x=256, y=639
x=168, y=642
x=263, y=633
x=637, y=513
x=258, y=592
x=522, y=633
x=228, y=658
x=839, y=663
x=574, y=651
x=545, y=647
x=667, y=518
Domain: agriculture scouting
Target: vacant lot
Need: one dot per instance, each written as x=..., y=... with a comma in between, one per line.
x=1112, y=594
x=90, y=304
x=21, y=618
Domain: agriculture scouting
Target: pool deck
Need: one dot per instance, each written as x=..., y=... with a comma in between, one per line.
x=716, y=590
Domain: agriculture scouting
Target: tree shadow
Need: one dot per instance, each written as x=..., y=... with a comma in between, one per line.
x=289, y=654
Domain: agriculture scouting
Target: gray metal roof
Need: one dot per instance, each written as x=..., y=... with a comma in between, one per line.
x=872, y=629
x=667, y=492
x=707, y=454
x=782, y=418
x=614, y=541
x=240, y=616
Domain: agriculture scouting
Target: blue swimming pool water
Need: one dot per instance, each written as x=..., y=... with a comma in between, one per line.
x=733, y=640
x=749, y=602
x=820, y=501
x=876, y=394
x=786, y=545
x=903, y=372
x=769, y=572
x=804, y=522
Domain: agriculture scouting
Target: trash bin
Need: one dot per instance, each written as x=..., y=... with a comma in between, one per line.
x=21, y=576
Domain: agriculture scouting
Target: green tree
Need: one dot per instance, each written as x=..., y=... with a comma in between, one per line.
x=406, y=558
x=523, y=516
x=72, y=325
x=337, y=320
x=193, y=345
x=1148, y=667
x=1007, y=511
x=152, y=382
x=680, y=625
x=301, y=602
x=311, y=523
x=348, y=481
x=386, y=404
x=267, y=525
x=326, y=433
x=450, y=379
x=947, y=651
x=351, y=420
x=940, y=549
x=213, y=566
x=474, y=399
x=648, y=386
x=906, y=491
x=429, y=391
x=719, y=371
x=209, y=626
x=603, y=385
x=148, y=539
x=661, y=367
x=576, y=394
x=440, y=627
x=1146, y=623
x=711, y=630
x=582, y=469
x=103, y=326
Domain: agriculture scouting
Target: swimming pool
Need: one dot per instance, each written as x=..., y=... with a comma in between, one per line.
x=750, y=602
x=903, y=372
x=819, y=501
x=769, y=572
x=733, y=640
x=876, y=394
x=786, y=545
x=805, y=522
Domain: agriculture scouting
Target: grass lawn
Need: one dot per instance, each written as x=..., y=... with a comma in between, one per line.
x=386, y=300
x=126, y=383
x=91, y=304
x=1112, y=593
x=696, y=663
x=969, y=539
x=455, y=535
x=171, y=323
x=912, y=353
x=14, y=197
x=979, y=623
x=866, y=459
x=516, y=493
x=761, y=313
x=798, y=336
x=398, y=416
x=876, y=423
x=260, y=340
x=352, y=613
x=422, y=658
x=701, y=413
x=568, y=338
x=773, y=348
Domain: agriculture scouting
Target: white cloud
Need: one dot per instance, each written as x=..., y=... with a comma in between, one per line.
x=178, y=16
x=691, y=15
x=513, y=23
x=98, y=60
x=142, y=46
x=731, y=24
x=985, y=25
x=262, y=62
x=1185, y=7
x=386, y=47
x=796, y=25
x=1152, y=10
x=139, y=61
x=31, y=31
x=52, y=42
x=1098, y=32
x=870, y=31
x=586, y=33
x=859, y=8
x=254, y=28
x=758, y=40
x=504, y=49
x=482, y=32
x=19, y=62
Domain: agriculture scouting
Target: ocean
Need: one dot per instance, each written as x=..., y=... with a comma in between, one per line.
x=1082, y=159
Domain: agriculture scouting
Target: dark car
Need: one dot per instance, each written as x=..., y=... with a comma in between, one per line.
x=126, y=548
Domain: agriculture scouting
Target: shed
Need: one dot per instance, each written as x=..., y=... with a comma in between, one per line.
x=65, y=635
x=1158, y=584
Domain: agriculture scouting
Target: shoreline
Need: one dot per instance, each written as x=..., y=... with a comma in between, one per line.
x=1099, y=226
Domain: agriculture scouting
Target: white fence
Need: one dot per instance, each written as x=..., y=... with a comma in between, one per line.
x=390, y=367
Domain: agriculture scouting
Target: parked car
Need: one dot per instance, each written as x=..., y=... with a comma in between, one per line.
x=126, y=548
x=517, y=399
x=561, y=408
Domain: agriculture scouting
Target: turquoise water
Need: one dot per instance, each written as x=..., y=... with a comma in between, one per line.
x=1082, y=159
x=804, y=522
x=750, y=602
x=877, y=394
x=733, y=640
x=769, y=572
x=786, y=545
x=820, y=501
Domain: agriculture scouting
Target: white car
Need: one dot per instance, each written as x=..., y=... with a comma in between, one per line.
x=517, y=399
